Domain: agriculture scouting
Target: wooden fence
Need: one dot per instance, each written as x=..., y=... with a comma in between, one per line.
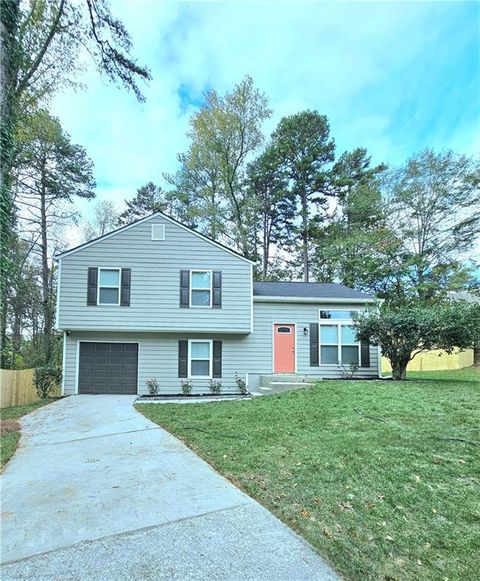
x=435, y=361
x=17, y=387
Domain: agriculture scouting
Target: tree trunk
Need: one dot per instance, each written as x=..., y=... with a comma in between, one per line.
x=476, y=354
x=305, y=238
x=399, y=369
x=47, y=319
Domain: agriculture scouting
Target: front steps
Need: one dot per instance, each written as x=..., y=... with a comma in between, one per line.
x=279, y=383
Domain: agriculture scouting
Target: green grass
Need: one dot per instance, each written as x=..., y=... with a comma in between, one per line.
x=9, y=441
x=388, y=499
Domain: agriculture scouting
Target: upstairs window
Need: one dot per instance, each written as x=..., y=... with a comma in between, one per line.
x=201, y=288
x=108, y=286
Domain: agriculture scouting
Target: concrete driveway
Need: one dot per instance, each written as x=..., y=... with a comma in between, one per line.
x=97, y=491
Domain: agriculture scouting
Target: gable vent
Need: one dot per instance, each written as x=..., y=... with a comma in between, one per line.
x=158, y=231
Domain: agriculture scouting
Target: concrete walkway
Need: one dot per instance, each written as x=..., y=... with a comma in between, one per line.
x=97, y=491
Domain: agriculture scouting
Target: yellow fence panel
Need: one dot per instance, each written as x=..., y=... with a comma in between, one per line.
x=17, y=387
x=435, y=360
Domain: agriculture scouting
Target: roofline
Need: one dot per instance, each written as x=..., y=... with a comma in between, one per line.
x=140, y=221
x=279, y=299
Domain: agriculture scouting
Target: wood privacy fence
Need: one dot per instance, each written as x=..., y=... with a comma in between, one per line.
x=435, y=361
x=17, y=387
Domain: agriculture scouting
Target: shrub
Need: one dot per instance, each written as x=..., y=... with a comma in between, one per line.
x=187, y=386
x=46, y=379
x=215, y=386
x=241, y=384
x=349, y=371
x=404, y=331
x=152, y=385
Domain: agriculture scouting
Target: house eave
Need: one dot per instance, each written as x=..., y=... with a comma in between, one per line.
x=317, y=300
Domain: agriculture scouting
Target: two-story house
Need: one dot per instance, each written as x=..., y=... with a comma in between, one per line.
x=158, y=299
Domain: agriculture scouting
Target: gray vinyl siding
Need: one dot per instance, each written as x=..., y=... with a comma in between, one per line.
x=246, y=354
x=155, y=283
x=260, y=342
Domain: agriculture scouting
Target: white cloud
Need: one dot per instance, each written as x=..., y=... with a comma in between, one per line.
x=360, y=63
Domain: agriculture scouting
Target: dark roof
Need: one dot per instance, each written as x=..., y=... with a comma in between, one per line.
x=321, y=290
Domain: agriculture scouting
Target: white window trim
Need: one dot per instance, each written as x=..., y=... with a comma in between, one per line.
x=119, y=286
x=162, y=232
x=190, y=342
x=337, y=323
x=210, y=288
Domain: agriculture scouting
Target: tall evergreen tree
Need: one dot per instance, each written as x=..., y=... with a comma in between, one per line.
x=303, y=144
x=51, y=172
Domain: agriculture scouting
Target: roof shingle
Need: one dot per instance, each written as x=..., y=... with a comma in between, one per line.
x=321, y=290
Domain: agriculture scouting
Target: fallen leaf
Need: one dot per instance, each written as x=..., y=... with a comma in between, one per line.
x=305, y=513
x=370, y=505
x=417, y=478
x=345, y=505
x=461, y=461
x=437, y=460
x=434, y=510
x=317, y=500
x=388, y=538
x=328, y=533
x=419, y=562
x=380, y=496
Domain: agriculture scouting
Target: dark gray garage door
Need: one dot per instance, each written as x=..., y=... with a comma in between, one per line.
x=108, y=368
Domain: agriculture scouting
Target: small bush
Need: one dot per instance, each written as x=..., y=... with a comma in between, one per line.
x=215, y=386
x=349, y=371
x=187, y=386
x=241, y=384
x=152, y=385
x=46, y=379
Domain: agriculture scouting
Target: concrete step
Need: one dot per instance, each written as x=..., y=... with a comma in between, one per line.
x=282, y=377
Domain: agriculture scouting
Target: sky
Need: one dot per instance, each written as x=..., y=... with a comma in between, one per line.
x=393, y=77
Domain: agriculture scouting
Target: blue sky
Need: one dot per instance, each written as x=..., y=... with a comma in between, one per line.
x=394, y=77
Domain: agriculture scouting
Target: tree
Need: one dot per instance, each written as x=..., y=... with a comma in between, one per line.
x=151, y=198
x=273, y=209
x=302, y=143
x=403, y=332
x=51, y=172
x=104, y=220
x=199, y=181
x=224, y=134
x=41, y=42
x=433, y=207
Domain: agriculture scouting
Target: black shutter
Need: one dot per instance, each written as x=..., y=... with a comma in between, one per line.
x=185, y=288
x=183, y=359
x=217, y=290
x=217, y=359
x=365, y=354
x=125, y=287
x=92, y=282
x=314, y=345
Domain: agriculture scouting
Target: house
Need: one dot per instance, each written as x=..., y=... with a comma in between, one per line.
x=158, y=299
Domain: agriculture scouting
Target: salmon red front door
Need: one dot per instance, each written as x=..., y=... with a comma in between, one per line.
x=284, y=348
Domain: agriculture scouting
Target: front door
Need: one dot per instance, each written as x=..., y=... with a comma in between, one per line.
x=283, y=348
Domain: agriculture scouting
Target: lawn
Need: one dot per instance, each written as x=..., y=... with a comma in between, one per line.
x=9, y=440
x=382, y=477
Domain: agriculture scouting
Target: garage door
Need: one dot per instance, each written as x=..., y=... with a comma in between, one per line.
x=108, y=368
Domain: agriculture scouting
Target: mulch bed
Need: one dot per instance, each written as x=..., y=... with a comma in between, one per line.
x=7, y=426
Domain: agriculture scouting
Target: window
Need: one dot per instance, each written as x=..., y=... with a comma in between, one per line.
x=284, y=330
x=342, y=315
x=200, y=359
x=201, y=288
x=108, y=286
x=338, y=345
x=158, y=231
